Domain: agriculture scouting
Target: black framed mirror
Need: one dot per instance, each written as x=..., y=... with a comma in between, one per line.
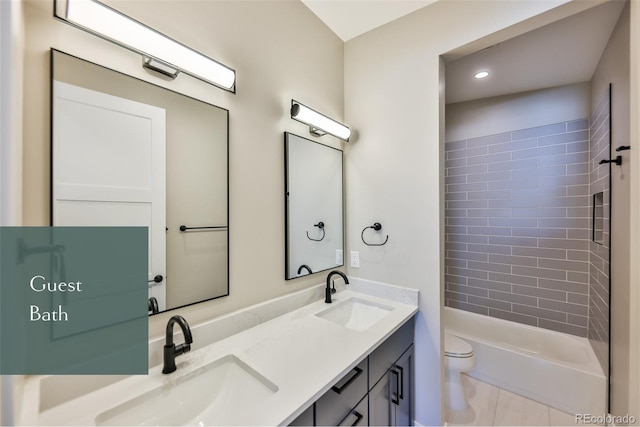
x=127, y=152
x=314, y=220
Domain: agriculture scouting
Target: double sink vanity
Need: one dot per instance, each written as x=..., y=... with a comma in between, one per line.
x=292, y=360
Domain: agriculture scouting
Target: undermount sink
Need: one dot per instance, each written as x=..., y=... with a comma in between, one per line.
x=211, y=395
x=355, y=313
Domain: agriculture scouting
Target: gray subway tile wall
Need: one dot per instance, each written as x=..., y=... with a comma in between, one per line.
x=518, y=228
x=598, y=273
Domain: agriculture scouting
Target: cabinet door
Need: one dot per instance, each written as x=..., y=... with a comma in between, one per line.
x=380, y=403
x=402, y=389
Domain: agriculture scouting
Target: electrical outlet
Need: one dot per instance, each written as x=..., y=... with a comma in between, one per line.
x=355, y=259
x=339, y=257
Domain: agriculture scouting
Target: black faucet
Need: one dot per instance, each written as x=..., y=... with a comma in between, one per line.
x=170, y=349
x=328, y=291
x=304, y=266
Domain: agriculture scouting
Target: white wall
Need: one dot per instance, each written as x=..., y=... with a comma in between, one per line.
x=280, y=51
x=393, y=89
x=517, y=111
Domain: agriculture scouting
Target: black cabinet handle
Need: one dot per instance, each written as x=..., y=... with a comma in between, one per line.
x=359, y=418
x=355, y=374
x=401, y=394
x=396, y=400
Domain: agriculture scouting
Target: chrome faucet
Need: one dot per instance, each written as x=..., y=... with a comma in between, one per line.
x=170, y=349
x=328, y=291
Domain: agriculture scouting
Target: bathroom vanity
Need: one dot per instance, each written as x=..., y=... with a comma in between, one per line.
x=271, y=364
x=379, y=391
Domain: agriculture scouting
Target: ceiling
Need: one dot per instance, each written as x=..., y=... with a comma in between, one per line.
x=350, y=18
x=564, y=52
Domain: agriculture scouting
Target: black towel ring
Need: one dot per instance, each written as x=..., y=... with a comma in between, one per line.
x=320, y=225
x=377, y=227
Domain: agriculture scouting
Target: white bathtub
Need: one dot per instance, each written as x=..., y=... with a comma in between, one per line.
x=556, y=369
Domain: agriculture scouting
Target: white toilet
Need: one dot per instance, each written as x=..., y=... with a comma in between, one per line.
x=458, y=358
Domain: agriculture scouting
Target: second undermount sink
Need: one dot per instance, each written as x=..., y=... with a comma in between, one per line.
x=355, y=313
x=212, y=395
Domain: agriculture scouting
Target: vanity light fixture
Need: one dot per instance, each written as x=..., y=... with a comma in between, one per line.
x=481, y=75
x=156, y=48
x=319, y=124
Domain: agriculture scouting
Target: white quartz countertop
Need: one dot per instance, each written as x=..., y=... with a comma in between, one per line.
x=299, y=352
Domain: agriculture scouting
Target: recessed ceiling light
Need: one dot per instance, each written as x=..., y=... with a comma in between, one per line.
x=482, y=75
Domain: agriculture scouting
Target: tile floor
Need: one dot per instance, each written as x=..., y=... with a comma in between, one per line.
x=492, y=406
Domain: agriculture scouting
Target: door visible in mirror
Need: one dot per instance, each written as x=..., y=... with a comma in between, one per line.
x=127, y=152
x=314, y=211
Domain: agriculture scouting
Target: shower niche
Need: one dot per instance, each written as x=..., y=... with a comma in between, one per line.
x=597, y=218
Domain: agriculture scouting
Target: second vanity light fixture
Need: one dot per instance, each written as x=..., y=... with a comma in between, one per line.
x=159, y=51
x=319, y=124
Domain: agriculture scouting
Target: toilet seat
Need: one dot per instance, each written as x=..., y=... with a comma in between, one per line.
x=455, y=347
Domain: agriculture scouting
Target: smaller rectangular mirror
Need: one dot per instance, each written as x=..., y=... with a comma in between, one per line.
x=314, y=211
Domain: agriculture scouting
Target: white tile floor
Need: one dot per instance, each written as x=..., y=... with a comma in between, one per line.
x=492, y=406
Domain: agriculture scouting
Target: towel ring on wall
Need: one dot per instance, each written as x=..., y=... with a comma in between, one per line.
x=320, y=225
x=153, y=305
x=377, y=227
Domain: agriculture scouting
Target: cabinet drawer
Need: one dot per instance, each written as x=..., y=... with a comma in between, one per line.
x=358, y=416
x=337, y=403
x=389, y=351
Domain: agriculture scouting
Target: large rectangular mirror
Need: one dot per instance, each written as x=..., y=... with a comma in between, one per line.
x=127, y=152
x=314, y=213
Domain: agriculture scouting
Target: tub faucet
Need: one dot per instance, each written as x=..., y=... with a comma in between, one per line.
x=170, y=349
x=328, y=291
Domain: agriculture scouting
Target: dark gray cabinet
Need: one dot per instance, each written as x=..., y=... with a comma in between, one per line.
x=377, y=392
x=380, y=403
x=402, y=390
x=391, y=398
x=391, y=379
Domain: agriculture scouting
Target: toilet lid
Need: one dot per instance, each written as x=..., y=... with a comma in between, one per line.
x=454, y=346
